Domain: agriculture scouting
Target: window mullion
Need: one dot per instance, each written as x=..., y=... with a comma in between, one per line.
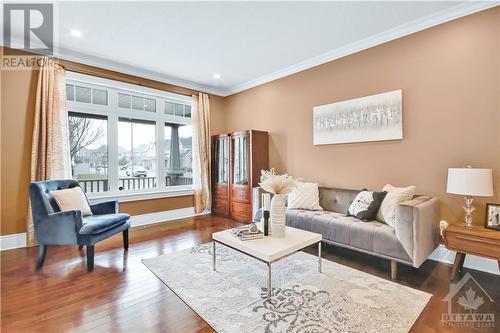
x=160, y=152
x=113, y=143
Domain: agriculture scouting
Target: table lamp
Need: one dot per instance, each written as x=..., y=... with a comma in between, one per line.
x=470, y=182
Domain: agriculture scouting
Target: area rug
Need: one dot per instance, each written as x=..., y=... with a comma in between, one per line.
x=233, y=298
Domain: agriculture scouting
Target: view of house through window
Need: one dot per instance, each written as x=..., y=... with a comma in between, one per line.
x=136, y=154
x=123, y=139
x=89, y=150
x=178, y=154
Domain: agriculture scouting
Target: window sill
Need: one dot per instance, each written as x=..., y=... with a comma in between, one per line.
x=176, y=191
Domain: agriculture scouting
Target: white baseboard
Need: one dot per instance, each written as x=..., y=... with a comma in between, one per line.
x=13, y=241
x=167, y=215
x=471, y=261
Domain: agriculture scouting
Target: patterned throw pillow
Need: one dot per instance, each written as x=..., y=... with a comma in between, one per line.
x=304, y=196
x=366, y=204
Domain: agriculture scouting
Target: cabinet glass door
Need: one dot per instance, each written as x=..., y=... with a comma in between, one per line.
x=240, y=167
x=222, y=160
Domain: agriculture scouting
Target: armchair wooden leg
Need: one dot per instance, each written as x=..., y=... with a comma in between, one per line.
x=90, y=258
x=394, y=269
x=41, y=256
x=125, y=239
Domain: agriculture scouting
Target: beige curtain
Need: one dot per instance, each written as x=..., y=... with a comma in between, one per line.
x=201, y=153
x=50, y=147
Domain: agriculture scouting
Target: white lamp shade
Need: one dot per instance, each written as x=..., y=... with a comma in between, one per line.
x=470, y=181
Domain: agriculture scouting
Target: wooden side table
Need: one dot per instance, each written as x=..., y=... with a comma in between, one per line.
x=478, y=241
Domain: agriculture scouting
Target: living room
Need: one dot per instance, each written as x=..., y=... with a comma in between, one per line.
x=342, y=136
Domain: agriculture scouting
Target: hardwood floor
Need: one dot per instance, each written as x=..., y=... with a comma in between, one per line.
x=122, y=295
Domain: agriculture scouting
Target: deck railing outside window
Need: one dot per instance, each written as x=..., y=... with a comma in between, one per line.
x=131, y=183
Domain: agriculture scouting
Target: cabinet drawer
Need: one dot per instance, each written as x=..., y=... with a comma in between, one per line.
x=241, y=212
x=473, y=244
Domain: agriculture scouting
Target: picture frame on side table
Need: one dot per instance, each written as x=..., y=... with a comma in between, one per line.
x=492, y=220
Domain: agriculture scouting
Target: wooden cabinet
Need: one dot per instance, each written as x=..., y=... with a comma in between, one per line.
x=478, y=241
x=237, y=160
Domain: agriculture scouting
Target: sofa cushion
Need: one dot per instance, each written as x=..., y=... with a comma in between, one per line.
x=300, y=218
x=336, y=200
x=370, y=236
x=304, y=196
x=98, y=223
x=366, y=204
x=394, y=197
x=72, y=199
x=331, y=225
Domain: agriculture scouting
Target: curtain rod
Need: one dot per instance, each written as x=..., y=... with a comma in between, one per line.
x=68, y=66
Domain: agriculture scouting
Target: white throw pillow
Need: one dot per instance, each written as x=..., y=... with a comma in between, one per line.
x=394, y=197
x=304, y=196
x=72, y=199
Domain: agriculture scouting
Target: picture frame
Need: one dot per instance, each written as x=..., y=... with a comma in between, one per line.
x=492, y=219
x=370, y=118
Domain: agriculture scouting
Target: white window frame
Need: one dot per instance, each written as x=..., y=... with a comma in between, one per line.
x=113, y=112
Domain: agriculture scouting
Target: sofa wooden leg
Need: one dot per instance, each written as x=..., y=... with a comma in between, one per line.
x=41, y=256
x=90, y=258
x=125, y=239
x=394, y=269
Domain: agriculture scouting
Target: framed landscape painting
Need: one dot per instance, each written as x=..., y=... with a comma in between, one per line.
x=371, y=118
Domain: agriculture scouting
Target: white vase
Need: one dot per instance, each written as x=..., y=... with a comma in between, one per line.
x=278, y=215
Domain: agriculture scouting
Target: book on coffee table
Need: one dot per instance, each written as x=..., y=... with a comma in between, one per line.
x=244, y=233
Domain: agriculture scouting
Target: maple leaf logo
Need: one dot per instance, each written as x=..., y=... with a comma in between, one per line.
x=470, y=301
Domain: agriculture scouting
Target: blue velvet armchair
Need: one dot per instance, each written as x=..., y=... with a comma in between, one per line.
x=53, y=227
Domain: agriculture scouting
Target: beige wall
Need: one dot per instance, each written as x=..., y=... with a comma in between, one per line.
x=450, y=79
x=156, y=205
x=18, y=89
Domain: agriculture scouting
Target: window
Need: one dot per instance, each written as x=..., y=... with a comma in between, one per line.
x=126, y=138
x=136, y=102
x=88, y=95
x=136, y=154
x=178, y=154
x=177, y=109
x=89, y=151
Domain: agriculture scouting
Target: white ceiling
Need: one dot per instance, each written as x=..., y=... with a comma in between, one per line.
x=248, y=43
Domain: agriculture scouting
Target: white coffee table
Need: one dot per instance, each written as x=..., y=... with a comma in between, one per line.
x=269, y=249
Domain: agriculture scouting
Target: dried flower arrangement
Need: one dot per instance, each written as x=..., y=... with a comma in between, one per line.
x=276, y=184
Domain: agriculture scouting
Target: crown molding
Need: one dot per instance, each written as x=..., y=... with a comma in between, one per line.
x=100, y=62
x=426, y=22
x=116, y=66
x=386, y=36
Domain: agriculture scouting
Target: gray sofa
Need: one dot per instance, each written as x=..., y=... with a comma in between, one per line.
x=410, y=242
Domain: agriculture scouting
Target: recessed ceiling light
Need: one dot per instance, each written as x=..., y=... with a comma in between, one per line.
x=76, y=33
x=217, y=76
